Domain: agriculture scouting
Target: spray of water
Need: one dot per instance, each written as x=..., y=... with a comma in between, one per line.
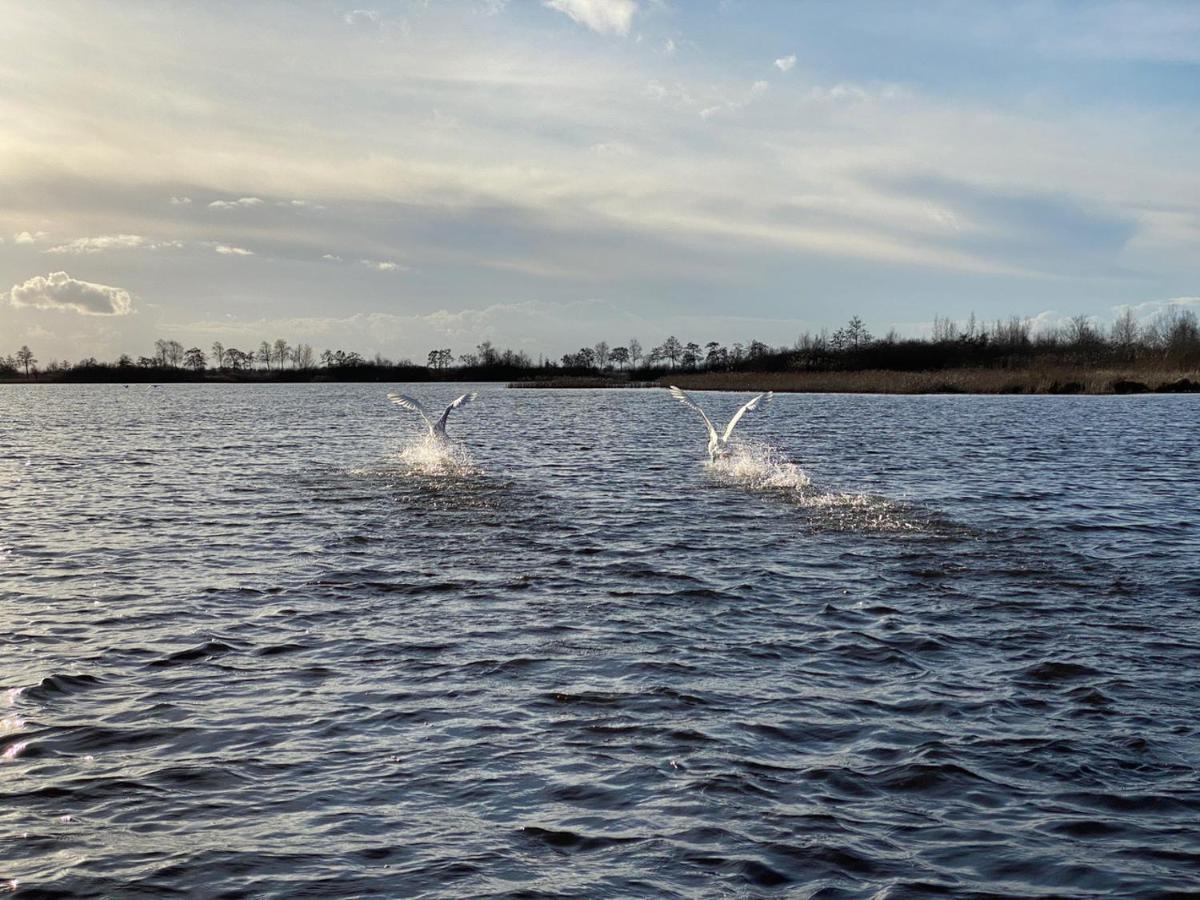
x=762, y=468
x=432, y=457
x=759, y=467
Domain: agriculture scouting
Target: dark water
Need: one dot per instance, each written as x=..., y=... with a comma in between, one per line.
x=248, y=650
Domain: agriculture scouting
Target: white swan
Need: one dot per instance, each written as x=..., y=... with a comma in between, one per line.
x=437, y=430
x=718, y=444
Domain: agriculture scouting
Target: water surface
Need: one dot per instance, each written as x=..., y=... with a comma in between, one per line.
x=252, y=644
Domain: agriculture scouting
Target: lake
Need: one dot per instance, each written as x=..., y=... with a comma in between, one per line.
x=257, y=642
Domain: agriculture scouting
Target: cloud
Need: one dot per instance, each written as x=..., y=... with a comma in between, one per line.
x=756, y=90
x=104, y=242
x=242, y=202
x=25, y=237
x=181, y=201
x=367, y=18
x=848, y=92
x=383, y=265
x=332, y=257
x=1150, y=309
x=58, y=290
x=226, y=250
x=785, y=63
x=300, y=204
x=603, y=16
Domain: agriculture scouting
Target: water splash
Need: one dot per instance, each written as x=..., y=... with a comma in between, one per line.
x=425, y=457
x=759, y=467
x=430, y=456
x=763, y=468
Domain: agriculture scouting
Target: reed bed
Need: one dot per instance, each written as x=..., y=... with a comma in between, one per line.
x=1048, y=380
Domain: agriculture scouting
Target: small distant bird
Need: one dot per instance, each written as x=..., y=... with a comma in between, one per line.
x=718, y=444
x=437, y=430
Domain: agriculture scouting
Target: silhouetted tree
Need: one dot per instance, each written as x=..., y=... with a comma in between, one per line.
x=25, y=358
x=265, y=354
x=195, y=359
x=303, y=356
x=218, y=354
x=635, y=351
x=281, y=353
x=602, y=354
x=857, y=335
x=619, y=356
x=672, y=350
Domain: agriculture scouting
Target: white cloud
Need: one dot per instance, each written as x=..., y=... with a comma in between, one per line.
x=104, y=242
x=332, y=257
x=362, y=17
x=785, y=63
x=612, y=149
x=226, y=250
x=848, y=92
x=242, y=202
x=756, y=90
x=1149, y=309
x=58, y=290
x=383, y=265
x=604, y=16
x=669, y=47
x=181, y=201
x=26, y=237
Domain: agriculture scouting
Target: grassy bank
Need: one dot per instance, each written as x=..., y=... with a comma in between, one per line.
x=1048, y=380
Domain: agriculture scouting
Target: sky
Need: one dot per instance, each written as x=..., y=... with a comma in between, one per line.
x=545, y=174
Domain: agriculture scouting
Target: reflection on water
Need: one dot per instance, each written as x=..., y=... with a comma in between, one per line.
x=267, y=641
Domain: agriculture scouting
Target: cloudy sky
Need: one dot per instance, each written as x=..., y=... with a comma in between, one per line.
x=548, y=173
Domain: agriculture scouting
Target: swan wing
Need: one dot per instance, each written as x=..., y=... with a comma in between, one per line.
x=760, y=400
x=683, y=398
x=412, y=404
x=455, y=404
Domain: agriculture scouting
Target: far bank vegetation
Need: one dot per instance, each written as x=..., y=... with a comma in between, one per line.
x=1006, y=356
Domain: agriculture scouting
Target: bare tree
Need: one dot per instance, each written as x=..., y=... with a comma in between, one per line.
x=265, y=354
x=486, y=354
x=304, y=357
x=857, y=335
x=1125, y=333
x=672, y=350
x=218, y=354
x=944, y=330
x=602, y=354
x=25, y=358
x=195, y=359
x=282, y=353
x=635, y=351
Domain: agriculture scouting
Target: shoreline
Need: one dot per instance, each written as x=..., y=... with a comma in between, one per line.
x=1111, y=382
x=1031, y=381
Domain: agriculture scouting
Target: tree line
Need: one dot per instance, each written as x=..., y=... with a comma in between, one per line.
x=1171, y=339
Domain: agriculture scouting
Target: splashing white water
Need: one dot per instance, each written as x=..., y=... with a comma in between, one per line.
x=760, y=467
x=430, y=456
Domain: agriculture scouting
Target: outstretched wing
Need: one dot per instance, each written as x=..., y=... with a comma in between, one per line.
x=458, y=401
x=687, y=401
x=760, y=400
x=413, y=404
